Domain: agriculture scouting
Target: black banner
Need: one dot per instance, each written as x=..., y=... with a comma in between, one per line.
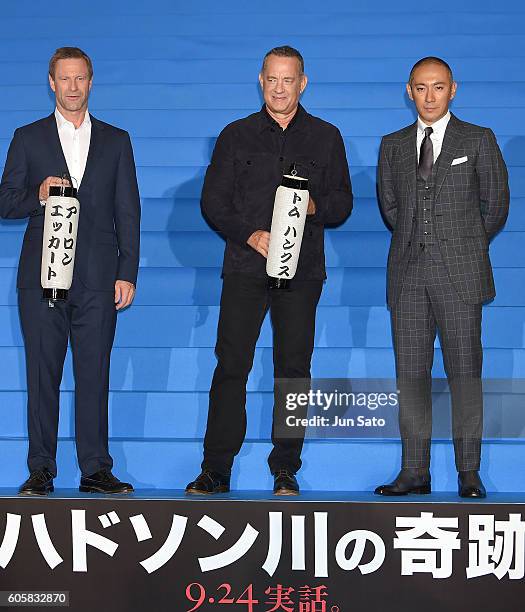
x=225, y=555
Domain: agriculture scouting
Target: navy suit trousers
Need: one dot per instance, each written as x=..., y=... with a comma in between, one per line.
x=87, y=319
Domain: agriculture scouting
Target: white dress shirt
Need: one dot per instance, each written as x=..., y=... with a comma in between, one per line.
x=436, y=137
x=75, y=145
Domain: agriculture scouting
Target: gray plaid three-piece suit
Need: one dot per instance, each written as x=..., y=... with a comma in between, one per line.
x=439, y=274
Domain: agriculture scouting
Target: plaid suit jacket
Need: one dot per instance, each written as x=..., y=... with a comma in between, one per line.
x=471, y=203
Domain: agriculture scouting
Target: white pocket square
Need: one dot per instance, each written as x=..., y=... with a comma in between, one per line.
x=459, y=160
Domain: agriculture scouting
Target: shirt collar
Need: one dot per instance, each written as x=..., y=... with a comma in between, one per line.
x=267, y=122
x=63, y=122
x=438, y=128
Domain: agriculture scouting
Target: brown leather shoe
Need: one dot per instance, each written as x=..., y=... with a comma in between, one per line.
x=208, y=483
x=285, y=483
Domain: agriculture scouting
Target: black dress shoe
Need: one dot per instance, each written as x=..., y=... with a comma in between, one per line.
x=285, y=483
x=40, y=482
x=103, y=481
x=470, y=485
x=208, y=483
x=407, y=481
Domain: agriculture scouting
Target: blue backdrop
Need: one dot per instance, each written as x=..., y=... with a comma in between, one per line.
x=173, y=74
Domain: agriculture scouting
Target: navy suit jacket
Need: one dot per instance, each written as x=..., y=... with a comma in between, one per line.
x=109, y=222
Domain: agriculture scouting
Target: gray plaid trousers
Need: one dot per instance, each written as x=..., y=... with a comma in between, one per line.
x=429, y=304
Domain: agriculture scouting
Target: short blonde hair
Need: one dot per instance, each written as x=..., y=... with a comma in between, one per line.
x=69, y=53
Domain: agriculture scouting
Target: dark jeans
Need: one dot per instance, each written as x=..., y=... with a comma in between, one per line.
x=244, y=303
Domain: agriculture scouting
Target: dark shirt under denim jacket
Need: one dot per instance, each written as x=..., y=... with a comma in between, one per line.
x=250, y=157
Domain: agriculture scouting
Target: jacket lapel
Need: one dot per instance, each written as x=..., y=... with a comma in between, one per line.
x=451, y=142
x=409, y=156
x=96, y=148
x=55, y=148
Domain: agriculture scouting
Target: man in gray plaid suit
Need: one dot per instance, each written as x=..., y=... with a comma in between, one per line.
x=443, y=189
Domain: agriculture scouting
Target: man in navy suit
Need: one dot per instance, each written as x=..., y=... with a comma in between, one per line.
x=99, y=159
